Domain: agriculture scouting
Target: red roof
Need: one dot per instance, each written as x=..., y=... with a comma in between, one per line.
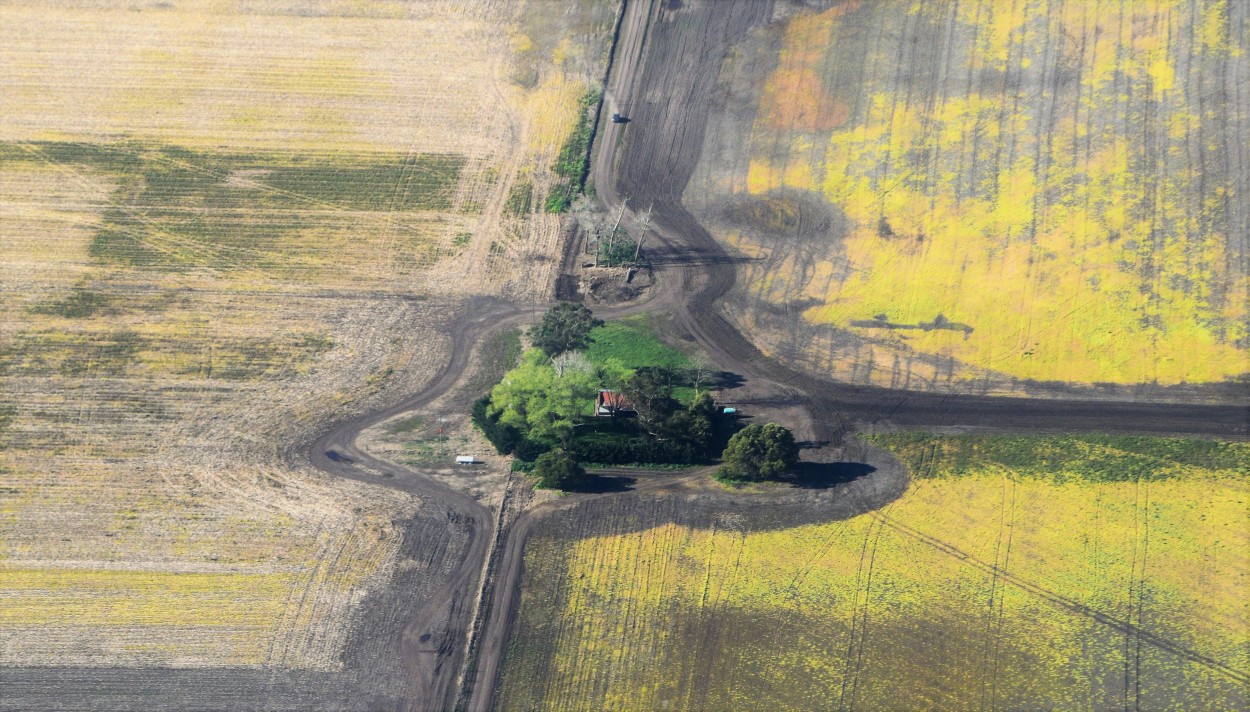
x=613, y=400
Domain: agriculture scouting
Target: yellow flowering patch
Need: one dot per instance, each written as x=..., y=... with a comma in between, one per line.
x=985, y=585
x=1054, y=186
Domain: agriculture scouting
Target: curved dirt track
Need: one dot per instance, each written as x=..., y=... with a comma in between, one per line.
x=662, y=78
x=663, y=74
x=443, y=619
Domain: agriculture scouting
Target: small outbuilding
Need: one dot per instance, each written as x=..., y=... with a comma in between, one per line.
x=611, y=403
x=466, y=459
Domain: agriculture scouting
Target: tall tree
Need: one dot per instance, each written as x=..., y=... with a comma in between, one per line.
x=540, y=401
x=759, y=452
x=649, y=391
x=565, y=327
x=557, y=469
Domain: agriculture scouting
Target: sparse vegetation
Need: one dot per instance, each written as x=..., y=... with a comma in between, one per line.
x=1075, y=237
x=211, y=249
x=519, y=198
x=573, y=162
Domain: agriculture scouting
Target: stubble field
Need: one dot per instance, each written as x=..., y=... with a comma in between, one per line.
x=988, y=196
x=222, y=227
x=1015, y=572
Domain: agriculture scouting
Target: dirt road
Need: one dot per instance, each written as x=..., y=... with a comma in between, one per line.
x=664, y=69
x=650, y=160
x=433, y=641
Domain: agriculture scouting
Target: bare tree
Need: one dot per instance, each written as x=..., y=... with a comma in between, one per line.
x=642, y=232
x=590, y=219
x=700, y=372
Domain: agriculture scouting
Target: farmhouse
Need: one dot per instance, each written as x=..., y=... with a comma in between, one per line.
x=611, y=403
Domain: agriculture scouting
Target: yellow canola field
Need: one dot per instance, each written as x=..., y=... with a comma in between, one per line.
x=1060, y=189
x=988, y=590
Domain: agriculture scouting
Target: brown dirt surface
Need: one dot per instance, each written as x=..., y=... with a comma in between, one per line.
x=422, y=639
x=651, y=161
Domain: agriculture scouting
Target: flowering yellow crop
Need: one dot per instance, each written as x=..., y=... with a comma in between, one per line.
x=983, y=586
x=1053, y=184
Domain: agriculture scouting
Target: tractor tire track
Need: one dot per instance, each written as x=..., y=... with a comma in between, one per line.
x=1131, y=631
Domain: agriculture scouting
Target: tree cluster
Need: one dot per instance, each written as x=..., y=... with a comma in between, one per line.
x=759, y=452
x=556, y=469
x=536, y=409
x=565, y=327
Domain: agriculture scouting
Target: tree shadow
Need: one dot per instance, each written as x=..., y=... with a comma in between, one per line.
x=605, y=484
x=812, y=444
x=823, y=475
x=726, y=380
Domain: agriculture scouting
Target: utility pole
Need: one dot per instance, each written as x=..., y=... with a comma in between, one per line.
x=620, y=215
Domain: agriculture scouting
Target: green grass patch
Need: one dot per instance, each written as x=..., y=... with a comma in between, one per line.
x=405, y=425
x=573, y=160
x=1089, y=458
x=519, y=198
x=80, y=303
x=633, y=344
x=435, y=449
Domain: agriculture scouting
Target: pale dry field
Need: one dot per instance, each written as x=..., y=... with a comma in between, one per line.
x=223, y=225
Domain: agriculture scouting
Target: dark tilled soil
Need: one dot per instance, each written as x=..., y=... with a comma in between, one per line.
x=652, y=165
x=667, y=61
